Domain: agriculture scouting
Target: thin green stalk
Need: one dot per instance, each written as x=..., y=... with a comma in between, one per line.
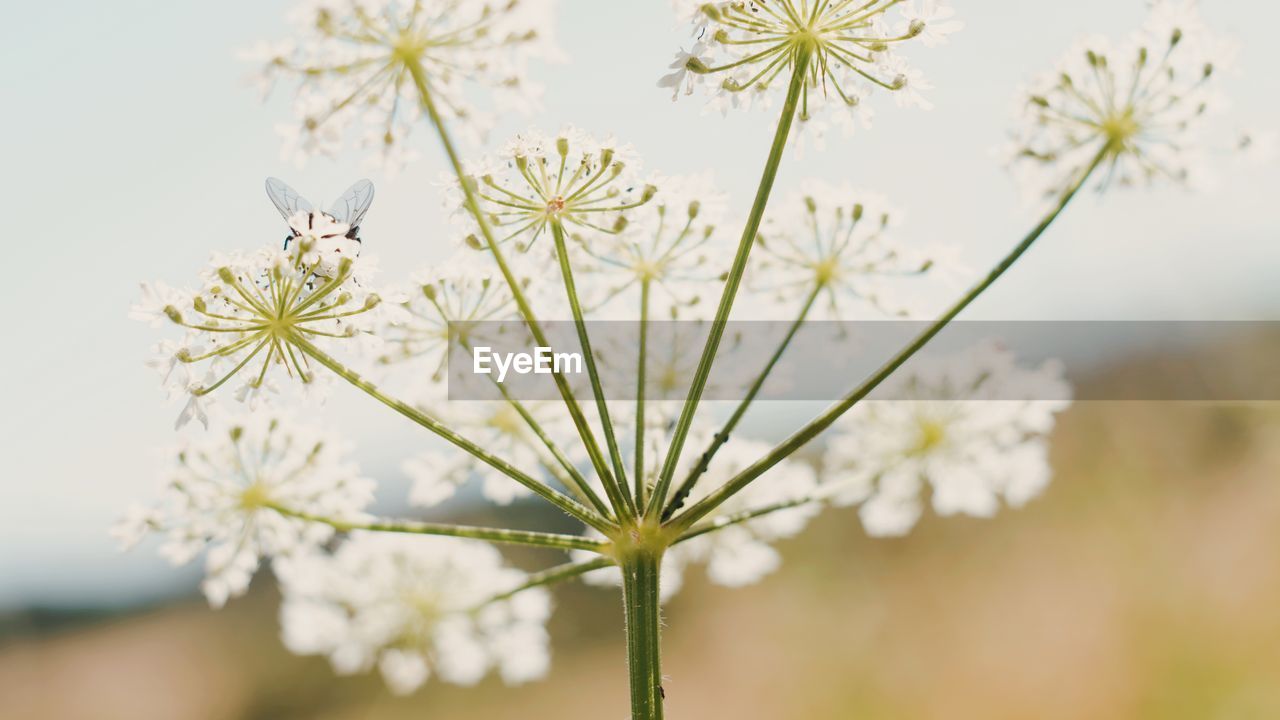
x=733, y=280
x=495, y=535
x=722, y=437
x=576, y=481
x=551, y=576
x=811, y=430
x=641, y=373
x=526, y=311
x=625, y=505
x=640, y=572
x=745, y=516
x=565, y=503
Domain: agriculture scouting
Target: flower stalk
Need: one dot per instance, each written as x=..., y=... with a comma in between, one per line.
x=565, y=503
x=814, y=427
x=722, y=437
x=803, y=52
x=501, y=536
x=589, y=441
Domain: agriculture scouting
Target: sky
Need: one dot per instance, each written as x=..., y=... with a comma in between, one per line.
x=133, y=146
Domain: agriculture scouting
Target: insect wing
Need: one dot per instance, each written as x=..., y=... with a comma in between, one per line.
x=286, y=199
x=354, y=203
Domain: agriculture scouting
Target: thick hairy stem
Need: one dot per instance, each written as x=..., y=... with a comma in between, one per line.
x=811, y=430
x=722, y=437
x=732, y=281
x=617, y=491
x=644, y=626
x=517, y=292
x=493, y=535
x=565, y=503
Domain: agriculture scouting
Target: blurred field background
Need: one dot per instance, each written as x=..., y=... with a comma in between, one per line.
x=1143, y=584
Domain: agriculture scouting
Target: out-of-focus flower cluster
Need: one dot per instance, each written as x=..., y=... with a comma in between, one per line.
x=222, y=490
x=359, y=63
x=971, y=429
x=1138, y=107
x=414, y=607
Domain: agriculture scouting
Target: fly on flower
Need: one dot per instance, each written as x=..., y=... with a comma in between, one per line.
x=335, y=233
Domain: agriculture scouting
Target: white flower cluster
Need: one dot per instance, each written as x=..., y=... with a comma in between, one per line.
x=571, y=178
x=1137, y=107
x=254, y=310
x=670, y=244
x=836, y=244
x=414, y=607
x=957, y=426
x=744, y=48
x=223, y=489
x=359, y=62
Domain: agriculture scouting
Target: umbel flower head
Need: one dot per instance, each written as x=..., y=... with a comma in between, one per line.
x=360, y=61
x=835, y=245
x=447, y=304
x=570, y=179
x=970, y=427
x=1140, y=104
x=222, y=488
x=415, y=607
x=745, y=48
x=669, y=245
x=256, y=312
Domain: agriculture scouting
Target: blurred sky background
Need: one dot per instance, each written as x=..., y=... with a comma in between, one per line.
x=133, y=146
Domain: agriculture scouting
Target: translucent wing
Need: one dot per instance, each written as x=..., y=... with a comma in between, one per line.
x=286, y=199
x=354, y=203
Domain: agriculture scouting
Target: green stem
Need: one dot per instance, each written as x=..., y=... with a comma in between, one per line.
x=733, y=280
x=565, y=503
x=617, y=490
x=811, y=430
x=745, y=516
x=522, y=302
x=641, y=373
x=551, y=576
x=575, y=480
x=494, y=535
x=722, y=437
x=640, y=572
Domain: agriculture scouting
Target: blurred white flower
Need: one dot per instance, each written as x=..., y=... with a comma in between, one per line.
x=355, y=62
x=570, y=178
x=414, y=607
x=222, y=488
x=836, y=243
x=747, y=47
x=1141, y=104
x=255, y=308
x=742, y=554
x=971, y=428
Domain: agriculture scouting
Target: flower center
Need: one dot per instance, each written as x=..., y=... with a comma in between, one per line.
x=255, y=496
x=555, y=205
x=932, y=434
x=1120, y=128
